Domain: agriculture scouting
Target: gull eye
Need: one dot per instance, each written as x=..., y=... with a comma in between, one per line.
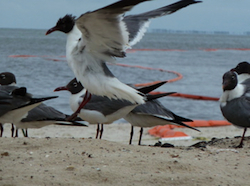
x=74, y=84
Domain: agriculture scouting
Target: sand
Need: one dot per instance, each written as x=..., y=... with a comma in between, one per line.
x=57, y=155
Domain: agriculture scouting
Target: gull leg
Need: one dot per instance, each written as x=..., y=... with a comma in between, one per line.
x=131, y=134
x=85, y=100
x=24, y=134
x=16, y=133
x=97, y=131
x=141, y=131
x=1, y=128
x=12, y=130
x=242, y=138
x=101, y=131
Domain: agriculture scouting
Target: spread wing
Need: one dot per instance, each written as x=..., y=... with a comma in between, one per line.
x=104, y=32
x=137, y=24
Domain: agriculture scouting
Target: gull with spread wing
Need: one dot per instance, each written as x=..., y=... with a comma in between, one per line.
x=102, y=35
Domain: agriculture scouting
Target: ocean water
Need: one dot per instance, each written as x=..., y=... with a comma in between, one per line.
x=201, y=59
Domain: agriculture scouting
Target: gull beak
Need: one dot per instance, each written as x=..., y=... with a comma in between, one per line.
x=55, y=28
x=60, y=89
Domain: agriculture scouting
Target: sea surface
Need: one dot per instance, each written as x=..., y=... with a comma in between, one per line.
x=201, y=59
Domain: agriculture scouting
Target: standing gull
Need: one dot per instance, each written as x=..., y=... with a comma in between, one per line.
x=38, y=117
x=102, y=110
x=235, y=102
x=15, y=103
x=151, y=114
x=98, y=37
x=42, y=116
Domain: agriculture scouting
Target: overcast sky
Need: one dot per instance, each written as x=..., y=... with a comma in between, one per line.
x=210, y=15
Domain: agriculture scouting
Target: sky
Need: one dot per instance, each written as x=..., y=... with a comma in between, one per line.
x=210, y=15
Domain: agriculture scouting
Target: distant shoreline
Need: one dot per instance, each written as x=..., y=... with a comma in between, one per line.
x=159, y=30
x=197, y=32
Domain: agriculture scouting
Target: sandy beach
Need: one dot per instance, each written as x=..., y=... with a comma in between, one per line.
x=58, y=155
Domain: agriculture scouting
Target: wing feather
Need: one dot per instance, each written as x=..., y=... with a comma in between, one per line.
x=137, y=24
x=104, y=31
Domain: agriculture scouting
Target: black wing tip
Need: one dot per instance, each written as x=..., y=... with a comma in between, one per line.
x=72, y=124
x=187, y=126
x=37, y=100
x=156, y=96
x=125, y=5
x=192, y=1
x=147, y=89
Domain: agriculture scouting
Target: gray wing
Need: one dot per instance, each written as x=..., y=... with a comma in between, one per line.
x=137, y=24
x=43, y=113
x=237, y=110
x=156, y=109
x=105, y=105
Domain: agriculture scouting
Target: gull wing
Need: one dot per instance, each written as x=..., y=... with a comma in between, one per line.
x=103, y=30
x=137, y=24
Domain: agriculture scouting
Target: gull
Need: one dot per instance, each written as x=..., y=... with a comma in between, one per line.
x=102, y=110
x=40, y=116
x=100, y=36
x=151, y=114
x=235, y=102
x=15, y=103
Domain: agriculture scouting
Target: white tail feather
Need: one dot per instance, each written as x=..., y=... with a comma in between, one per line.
x=112, y=88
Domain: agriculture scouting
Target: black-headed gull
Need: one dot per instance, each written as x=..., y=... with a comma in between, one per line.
x=98, y=37
x=102, y=110
x=235, y=102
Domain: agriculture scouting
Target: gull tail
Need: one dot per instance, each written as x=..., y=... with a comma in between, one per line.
x=123, y=91
x=102, y=82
